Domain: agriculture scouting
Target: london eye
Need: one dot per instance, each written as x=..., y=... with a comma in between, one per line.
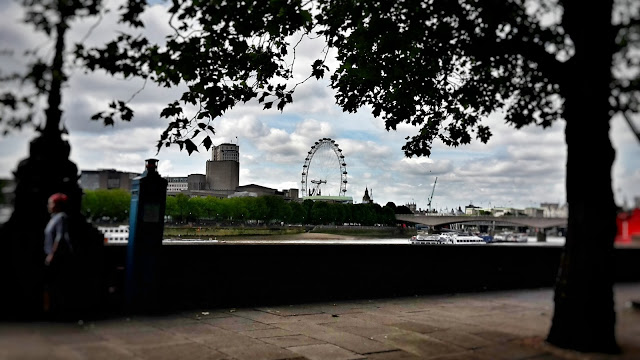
x=324, y=171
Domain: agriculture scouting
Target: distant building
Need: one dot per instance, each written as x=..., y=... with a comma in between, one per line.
x=555, y=210
x=412, y=207
x=176, y=184
x=197, y=182
x=333, y=199
x=534, y=212
x=259, y=190
x=223, y=170
x=226, y=152
x=106, y=179
x=472, y=210
x=222, y=179
x=366, y=199
x=507, y=211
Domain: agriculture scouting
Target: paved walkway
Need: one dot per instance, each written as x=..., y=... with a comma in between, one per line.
x=492, y=325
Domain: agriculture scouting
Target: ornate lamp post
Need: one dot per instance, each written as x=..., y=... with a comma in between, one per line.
x=46, y=171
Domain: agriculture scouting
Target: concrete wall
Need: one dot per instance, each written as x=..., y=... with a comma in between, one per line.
x=227, y=275
x=197, y=182
x=106, y=179
x=223, y=175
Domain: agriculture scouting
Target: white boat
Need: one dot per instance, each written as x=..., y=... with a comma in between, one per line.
x=115, y=234
x=458, y=238
x=446, y=238
x=509, y=236
x=424, y=239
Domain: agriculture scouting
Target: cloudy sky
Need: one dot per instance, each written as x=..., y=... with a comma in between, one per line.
x=517, y=168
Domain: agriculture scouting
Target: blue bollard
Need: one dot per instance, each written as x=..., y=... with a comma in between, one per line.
x=144, y=249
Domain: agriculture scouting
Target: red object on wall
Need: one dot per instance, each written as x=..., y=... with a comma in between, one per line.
x=628, y=226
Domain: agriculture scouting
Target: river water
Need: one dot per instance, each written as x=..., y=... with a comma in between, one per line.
x=551, y=241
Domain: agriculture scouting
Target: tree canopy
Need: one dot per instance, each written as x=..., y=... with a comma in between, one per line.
x=440, y=66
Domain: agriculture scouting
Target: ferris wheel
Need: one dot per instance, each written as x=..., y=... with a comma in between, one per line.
x=324, y=171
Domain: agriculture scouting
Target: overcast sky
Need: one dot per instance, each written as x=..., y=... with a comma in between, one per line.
x=517, y=168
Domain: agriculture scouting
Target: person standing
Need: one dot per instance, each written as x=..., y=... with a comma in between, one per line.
x=58, y=259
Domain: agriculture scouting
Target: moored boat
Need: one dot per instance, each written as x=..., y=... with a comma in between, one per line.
x=509, y=236
x=115, y=234
x=446, y=238
x=467, y=239
x=423, y=239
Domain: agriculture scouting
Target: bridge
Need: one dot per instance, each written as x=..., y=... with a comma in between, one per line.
x=436, y=220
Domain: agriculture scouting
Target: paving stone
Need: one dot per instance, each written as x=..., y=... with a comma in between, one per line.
x=223, y=338
x=393, y=355
x=357, y=344
x=422, y=345
x=206, y=314
x=292, y=340
x=382, y=317
x=415, y=327
x=162, y=322
x=196, y=330
x=259, y=352
x=513, y=325
x=467, y=355
x=153, y=337
x=267, y=333
x=361, y=327
x=495, y=336
x=292, y=310
x=236, y=323
x=345, y=340
x=305, y=328
x=37, y=353
x=509, y=351
x=342, y=308
x=322, y=318
x=187, y=351
x=366, y=331
x=101, y=351
x=467, y=341
x=73, y=336
x=261, y=316
x=441, y=322
x=120, y=325
x=325, y=352
x=507, y=325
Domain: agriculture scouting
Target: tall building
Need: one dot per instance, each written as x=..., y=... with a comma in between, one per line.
x=223, y=170
x=225, y=152
x=106, y=179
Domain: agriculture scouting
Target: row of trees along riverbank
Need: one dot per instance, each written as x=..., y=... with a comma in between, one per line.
x=113, y=206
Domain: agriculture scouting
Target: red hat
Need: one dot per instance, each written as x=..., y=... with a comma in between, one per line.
x=58, y=200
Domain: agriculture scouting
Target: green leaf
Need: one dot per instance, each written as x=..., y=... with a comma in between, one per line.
x=191, y=147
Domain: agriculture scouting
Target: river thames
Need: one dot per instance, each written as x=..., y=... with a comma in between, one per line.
x=532, y=241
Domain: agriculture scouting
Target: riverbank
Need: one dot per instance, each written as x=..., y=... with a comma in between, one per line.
x=285, y=232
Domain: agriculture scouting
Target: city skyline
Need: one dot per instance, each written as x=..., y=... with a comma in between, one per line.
x=517, y=168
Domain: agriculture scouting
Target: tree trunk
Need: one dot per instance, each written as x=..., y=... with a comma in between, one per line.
x=584, y=316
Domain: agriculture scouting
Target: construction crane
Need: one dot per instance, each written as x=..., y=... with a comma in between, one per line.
x=431, y=197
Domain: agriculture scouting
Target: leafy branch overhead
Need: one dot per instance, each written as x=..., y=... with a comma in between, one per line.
x=225, y=53
x=442, y=67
